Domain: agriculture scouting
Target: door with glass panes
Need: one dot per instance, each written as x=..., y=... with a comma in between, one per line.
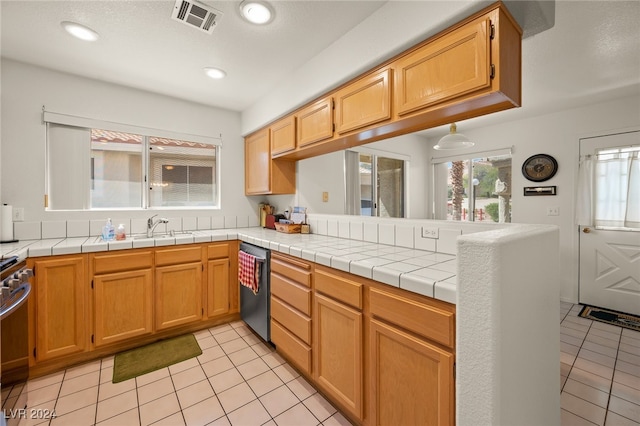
x=608, y=215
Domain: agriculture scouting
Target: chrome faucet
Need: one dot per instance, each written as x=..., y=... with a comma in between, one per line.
x=151, y=224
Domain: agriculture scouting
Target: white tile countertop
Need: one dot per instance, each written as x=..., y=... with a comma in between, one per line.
x=425, y=272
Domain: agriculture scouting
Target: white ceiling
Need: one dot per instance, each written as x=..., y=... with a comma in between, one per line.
x=591, y=54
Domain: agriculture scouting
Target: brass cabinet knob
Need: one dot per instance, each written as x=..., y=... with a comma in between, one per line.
x=586, y=230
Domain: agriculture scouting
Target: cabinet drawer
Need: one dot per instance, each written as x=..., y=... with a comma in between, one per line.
x=291, y=347
x=293, y=320
x=217, y=251
x=106, y=263
x=178, y=255
x=295, y=295
x=295, y=270
x=342, y=289
x=435, y=324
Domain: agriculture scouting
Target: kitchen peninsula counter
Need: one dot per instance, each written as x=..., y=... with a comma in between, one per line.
x=503, y=281
x=424, y=272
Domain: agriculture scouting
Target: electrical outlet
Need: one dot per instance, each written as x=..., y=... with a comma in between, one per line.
x=553, y=211
x=325, y=197
x=18, y=214
x=429, y=232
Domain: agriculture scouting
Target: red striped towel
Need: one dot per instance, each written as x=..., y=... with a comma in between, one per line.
x=248, y=271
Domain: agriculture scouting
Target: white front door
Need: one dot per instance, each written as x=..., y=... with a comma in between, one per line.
x=610, y=256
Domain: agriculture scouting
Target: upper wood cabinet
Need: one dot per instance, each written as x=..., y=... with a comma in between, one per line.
x=315, y=122
x=365, y=102
x=262, y=175
x=470, y=69
x=257, y=163
x=453, y=65
x=283, y=135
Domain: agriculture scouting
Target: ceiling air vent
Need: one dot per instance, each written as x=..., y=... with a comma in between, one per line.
x=197, y=15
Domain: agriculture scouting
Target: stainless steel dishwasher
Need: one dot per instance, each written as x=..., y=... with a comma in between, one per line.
x=255, y=309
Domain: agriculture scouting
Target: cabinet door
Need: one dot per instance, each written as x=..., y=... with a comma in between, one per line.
x=337, y=352
x=315, y=123
x=61, y=306
x=178, y=295
x=411, y=381
x=283, y=135
x=123, y=306
x=365, y=102
x=257, y=163
x=456, y=64
x=217, y=287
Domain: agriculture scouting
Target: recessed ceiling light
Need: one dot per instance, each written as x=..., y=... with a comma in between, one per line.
x=79, y=31
x=216, y=73
x=255, y=12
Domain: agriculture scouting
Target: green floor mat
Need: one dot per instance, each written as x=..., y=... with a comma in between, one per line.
x=139, y=361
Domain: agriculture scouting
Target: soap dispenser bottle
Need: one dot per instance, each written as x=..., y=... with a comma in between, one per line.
x=108, y=232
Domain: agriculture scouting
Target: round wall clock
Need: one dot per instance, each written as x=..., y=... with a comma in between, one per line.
x=539, y=167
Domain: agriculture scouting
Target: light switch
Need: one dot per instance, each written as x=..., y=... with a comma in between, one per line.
x=325, y=197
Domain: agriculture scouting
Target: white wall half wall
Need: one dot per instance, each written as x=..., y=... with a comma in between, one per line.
x=26, y=89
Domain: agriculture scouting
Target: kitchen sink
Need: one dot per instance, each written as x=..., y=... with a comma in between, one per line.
x=156, y=236
x=162, y=235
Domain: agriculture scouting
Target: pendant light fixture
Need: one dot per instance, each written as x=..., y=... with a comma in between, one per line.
x=453, y=140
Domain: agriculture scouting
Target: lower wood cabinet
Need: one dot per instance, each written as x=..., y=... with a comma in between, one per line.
x=178, y=295
x=122, y=287
x=122, y=306
x=411, y=380
x=338, y=356
x=61, y=323
x=178, y=286
x=218, y=302
x=291, y=309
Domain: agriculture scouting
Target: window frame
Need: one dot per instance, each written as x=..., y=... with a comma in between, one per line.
x=469, y=157
x=88, y=124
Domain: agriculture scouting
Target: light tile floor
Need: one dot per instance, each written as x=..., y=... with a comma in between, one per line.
x=600, y=371
x=239, y=380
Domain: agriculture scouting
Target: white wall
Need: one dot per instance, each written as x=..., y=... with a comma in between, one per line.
x=556, y=134
x=25, y=89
